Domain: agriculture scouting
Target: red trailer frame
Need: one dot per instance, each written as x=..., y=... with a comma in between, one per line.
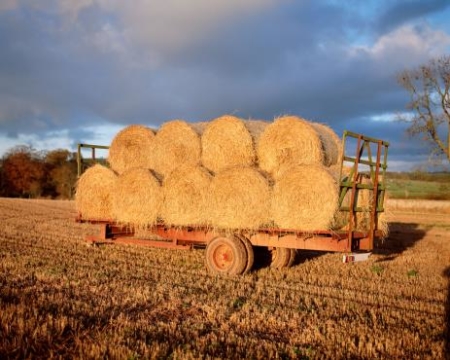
x=232, y=252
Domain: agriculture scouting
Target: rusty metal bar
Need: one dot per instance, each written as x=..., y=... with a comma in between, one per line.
x=374, y=212
x=80, y=158
x=351, y=214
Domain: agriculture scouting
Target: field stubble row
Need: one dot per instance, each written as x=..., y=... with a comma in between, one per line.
x=60, y=297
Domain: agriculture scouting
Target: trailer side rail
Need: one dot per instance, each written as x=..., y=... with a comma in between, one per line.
x=366, y=173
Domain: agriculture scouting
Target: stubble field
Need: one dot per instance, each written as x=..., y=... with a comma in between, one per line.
x=60, y=297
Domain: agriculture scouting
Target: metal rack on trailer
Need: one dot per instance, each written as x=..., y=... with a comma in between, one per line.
x=232, y=252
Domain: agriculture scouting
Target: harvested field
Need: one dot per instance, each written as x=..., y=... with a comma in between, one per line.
x=62, y=298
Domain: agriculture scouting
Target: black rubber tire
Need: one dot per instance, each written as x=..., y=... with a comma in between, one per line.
x=250, y=254
x=282, y=257
x=226, y=255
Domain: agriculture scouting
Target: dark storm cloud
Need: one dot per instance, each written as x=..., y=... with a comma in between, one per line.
x=400, y=11
x=302, y=58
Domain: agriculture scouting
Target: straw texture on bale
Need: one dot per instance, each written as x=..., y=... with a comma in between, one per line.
x=227, y=143
x=132, y=147
x=256, y=128
x=239, y=198
x=305, y=197
x=364, y=201
x=199, y=126
x=331, y=144
x=94, y=190
x=176, y=144
x=287, y=142
x=137, y=198
x=185, y=192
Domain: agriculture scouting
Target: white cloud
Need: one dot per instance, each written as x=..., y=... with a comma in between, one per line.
x=413, y=40
x=61, y=139
x=404, y=47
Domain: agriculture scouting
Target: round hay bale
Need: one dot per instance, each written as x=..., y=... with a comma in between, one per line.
x=199, y=126
x=176, y=144
x=137, y=198
x=94, y=190
x=132, y=147
x=305, y=197
x=383, y=225
x=239, y=198
x=185, y=192
x=287, y=142
x=331, y=144
x=256, y=128
x=227, y=143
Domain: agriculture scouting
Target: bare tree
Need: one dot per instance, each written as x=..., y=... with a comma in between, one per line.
x=429, y=90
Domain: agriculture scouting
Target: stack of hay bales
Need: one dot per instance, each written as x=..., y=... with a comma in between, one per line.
x=227, y=173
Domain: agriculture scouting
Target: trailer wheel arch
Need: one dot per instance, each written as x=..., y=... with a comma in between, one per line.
x=226, y=255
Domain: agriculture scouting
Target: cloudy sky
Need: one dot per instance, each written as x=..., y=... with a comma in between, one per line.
x=80, y=70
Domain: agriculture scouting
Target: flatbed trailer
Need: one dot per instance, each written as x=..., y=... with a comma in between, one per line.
x=232, y=252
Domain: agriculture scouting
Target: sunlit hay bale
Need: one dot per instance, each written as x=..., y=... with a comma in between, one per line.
x=94, y=190
x=305, y=197
x=364, y=201
x=239, y=198
x=331, y=144
x=185, y=192
x=137, y=198
x=176, y=144
x=132, y=147
x=256, y=128
x=286, y=142
x=341, y=218
x=227, y=143
x=199, y=126
x=383, y=225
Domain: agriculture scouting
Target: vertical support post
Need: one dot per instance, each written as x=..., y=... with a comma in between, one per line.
x=79, y=160
x=374, y=211
x=351, y=220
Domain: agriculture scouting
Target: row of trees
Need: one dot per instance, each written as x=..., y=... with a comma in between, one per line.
x=26, y=172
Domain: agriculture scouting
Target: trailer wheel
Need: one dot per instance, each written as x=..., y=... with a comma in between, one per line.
x=282, y=257
x=250, y=254
x=226, y=256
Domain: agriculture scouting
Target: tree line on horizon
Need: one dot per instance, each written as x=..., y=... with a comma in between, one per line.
x=28, y=173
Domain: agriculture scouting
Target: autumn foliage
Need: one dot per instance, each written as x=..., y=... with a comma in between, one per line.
x=25, y=172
